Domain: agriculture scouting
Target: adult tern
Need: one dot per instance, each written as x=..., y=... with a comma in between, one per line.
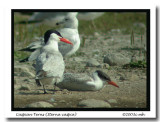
x=49, y=63
x=70, y=31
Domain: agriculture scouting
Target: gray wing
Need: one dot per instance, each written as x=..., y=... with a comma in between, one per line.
x=34, y=55
x=79, y=78
x=41, y=59
x=73, y=36
x=64, y=48
x=36, y=44
x=35, y=48
x=76, y=82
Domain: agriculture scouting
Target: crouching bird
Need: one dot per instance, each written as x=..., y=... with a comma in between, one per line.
x=84, y=82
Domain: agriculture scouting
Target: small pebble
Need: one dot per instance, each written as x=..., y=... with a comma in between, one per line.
x=92, y=103
x=113, y=101
x=92, y=63
x=40, y=104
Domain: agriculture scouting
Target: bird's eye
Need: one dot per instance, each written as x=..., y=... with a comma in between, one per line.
x=66, y=19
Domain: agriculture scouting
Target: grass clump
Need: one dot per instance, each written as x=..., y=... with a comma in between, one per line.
x=138, y=64
x=114, y=20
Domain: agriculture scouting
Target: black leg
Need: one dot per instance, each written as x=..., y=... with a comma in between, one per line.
x=44, y=90
x=55, y=86
x=38, y=83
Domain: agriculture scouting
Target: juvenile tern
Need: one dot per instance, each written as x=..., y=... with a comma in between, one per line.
x=84, y=82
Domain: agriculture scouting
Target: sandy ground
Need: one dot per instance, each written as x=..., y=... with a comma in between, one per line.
x=132, y=81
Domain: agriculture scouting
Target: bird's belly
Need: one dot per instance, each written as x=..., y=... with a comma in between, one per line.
x=56, y=80
x=46, y=81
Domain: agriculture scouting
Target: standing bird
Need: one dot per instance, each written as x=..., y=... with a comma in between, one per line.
x=83, y=82
x=49, y=64
x=70, y=31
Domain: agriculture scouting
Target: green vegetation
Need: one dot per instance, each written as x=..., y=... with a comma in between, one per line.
x=114, y=20
x=138, y=64
x=25, y=34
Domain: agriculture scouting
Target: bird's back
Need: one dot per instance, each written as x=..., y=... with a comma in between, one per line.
x=76, y=82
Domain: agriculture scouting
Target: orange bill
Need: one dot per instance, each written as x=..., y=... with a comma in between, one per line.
x=113, y=83
x=65, y=40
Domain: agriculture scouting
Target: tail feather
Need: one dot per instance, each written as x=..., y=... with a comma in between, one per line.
x=24, y=60
x=27, y=49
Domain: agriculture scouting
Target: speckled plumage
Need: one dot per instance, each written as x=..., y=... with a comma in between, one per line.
x=81, y=82
x=84, y=82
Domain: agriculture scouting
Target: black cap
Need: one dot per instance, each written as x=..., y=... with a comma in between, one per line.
x=103, y=75
x=48, y=33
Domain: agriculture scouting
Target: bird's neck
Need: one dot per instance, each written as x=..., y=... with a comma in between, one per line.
x=52, y=45
x=97, y=81
x=96, y=78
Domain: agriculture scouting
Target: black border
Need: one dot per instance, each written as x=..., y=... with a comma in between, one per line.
x=81, y=10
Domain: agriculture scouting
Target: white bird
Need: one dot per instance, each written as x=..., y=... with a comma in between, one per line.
x=49, y=64
x=83, y=82
x=70, y=31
